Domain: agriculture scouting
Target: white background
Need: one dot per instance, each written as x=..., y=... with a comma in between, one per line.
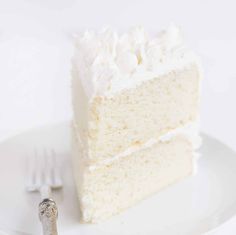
x=36, y=45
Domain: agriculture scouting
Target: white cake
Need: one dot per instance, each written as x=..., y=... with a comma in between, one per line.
x=135, y=126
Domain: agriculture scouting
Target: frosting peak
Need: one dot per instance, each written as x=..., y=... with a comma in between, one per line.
x=107, y=63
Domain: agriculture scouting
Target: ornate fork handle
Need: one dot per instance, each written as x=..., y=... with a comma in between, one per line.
x=48, y=216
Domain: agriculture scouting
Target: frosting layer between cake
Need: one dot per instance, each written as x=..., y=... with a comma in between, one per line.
x=190, y=131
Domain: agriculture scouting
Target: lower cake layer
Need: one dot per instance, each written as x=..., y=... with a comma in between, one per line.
x=109, y=189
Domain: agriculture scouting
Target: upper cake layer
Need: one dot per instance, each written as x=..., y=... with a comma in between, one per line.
x=108, y=126
x=107, y=63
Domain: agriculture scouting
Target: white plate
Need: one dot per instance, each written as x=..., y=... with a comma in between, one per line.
x=193, y=206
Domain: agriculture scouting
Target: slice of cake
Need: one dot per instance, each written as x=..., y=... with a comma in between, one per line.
x=135, y=131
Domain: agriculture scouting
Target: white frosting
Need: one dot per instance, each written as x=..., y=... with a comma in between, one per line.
x=107, y=63
x=190, y=130
x=127, y=152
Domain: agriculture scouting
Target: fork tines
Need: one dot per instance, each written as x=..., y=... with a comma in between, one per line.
x=43, y=170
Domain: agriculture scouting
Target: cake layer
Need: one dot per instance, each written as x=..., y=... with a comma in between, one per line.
x=111, y=188
x=108, y=126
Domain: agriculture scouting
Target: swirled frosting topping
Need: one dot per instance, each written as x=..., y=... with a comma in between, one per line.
x=107, y=62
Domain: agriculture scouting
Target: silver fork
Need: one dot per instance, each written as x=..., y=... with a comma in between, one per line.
x=44, y=176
